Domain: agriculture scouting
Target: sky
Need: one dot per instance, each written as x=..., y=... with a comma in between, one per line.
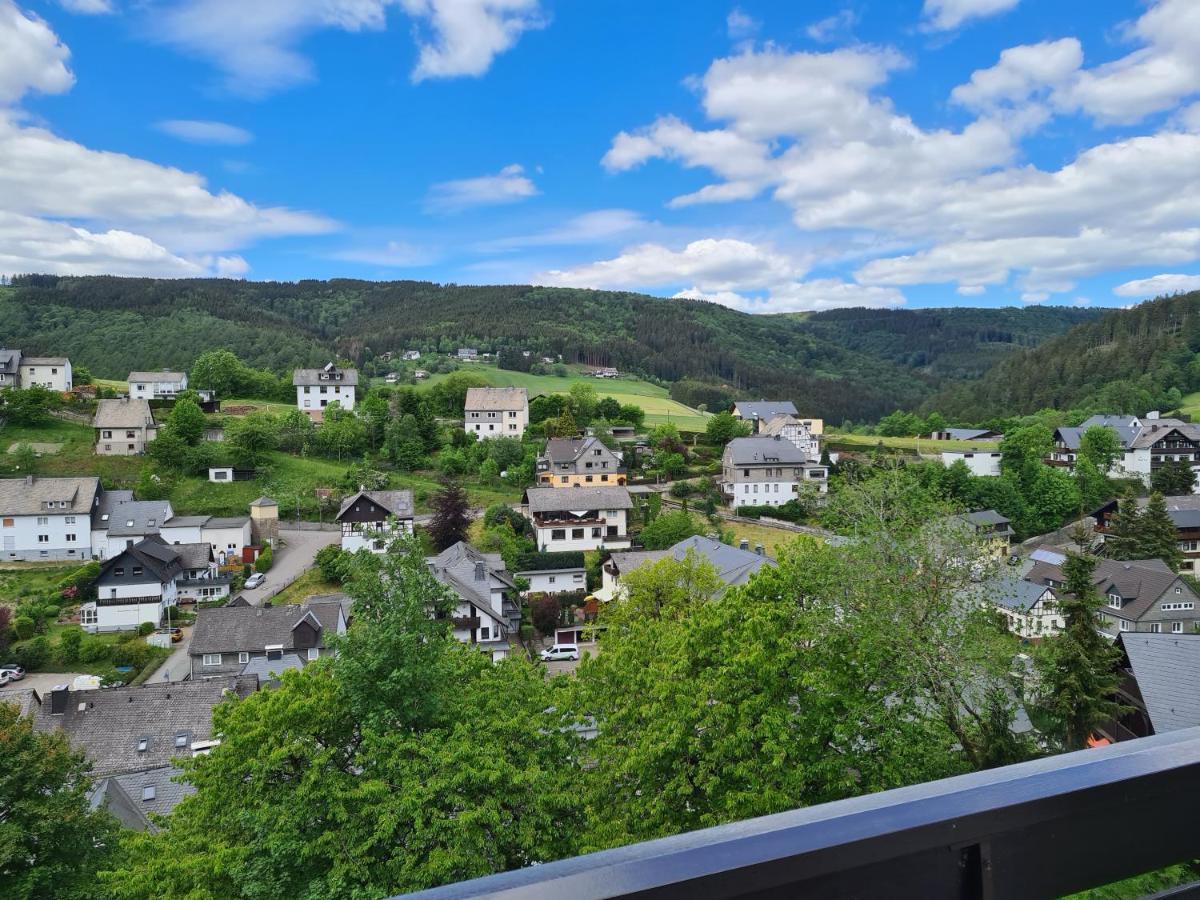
x=770, y=156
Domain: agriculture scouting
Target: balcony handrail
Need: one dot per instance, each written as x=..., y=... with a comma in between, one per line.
x=1036, y=829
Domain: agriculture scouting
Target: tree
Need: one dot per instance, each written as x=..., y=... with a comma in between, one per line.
x=28, y=406
x=544, y=612
x=333, y=562
x=403, y=443
x=723, y=427
x=187, y=421
x=250, y=438
x=219, y=371
x=609, y=409
x=1099, y=445
x=1124, y=538
x=669, y=529
x=51, y=840
x=1022, y=452
x=295, y=431
x=633, y=414
x=1077, y=668
x=1173, y=479
x=81, y=375
x=583, y=402
x=489, y=472
x=169, y=450
x=1159, y=537
x=451, y=515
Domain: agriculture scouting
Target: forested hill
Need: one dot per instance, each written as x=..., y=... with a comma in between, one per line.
x=1127, y=361
x=846, y=365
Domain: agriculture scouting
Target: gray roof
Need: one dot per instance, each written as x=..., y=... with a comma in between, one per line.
x=265, y=501
x=746, y=451
x=313, y=376
x=1139, y=583
x=1009, y=591
x=1130, y=432
x=10, y=361
x=26, y=700
x=163, y=376
x=733, y=565
x=1048, y=556
x=398, y=503
x=236, y=629
x=122, y=414
x=565, y=499
x=109, y=501
x=625, y=561
x=44, y=361
x=108, y=724
x=158, y=558
x=765, y=410
x=496, y=399
x=1184, y=511
x=270, y=669
x=1167, y=670
x=225, y=521
x=135, y=796
x=568, y=450
x=185, y=522
x=455, y=567
x=194, y=556
x=984, y=517
x=968, y=434
x=137, y=517
x=29, y=496
x=1159, y=429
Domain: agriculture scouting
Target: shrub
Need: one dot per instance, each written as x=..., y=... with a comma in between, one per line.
x=67, y=650
x=23, y=626
x=265, y=558
x=545, y=611
x=93, y=650
x=333, y=562
x=146, y=628
x=32, y=655
x=131, y=652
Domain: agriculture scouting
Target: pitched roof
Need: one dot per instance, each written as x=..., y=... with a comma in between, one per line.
x=194, y=556
x=1155, y=431
x=10, y=361
x=265, y=501
x=29, y=496
x=159, y=377
x=225, y=521
x=1138, y=582
x=984, y=517
x=568, y=450
x=270, y=669
x=625, y=561
x=135, y=796
x=496, y=399
x=968, y=434
x=1167, y=670
x=551, y=499
x=765, y=410
x=1183, y=511
x=762, y=449
x=313, y=376
x=397, y=503
x=44, y=361
x=234, y=629
x=455, y=567
x=26, y=700
x=1009, y=591
x=155, y=556
x=137, y=517
x=122, y=414
x=733, y=565
x=108, y=724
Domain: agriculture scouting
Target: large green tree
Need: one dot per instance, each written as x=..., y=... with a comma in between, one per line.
x=187, y=421
x=1159, y=537
x=451, y=515
x=1173, y=479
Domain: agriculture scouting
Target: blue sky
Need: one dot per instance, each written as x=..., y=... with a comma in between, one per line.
x=771, y=156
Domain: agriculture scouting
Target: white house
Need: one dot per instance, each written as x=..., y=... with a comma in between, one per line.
x=47, y=518
x=795, y=431
x=317, y=388
x=50, y=372
x=496, y=412
x=1146, y=443
x=486, y=613
x=123, y=427
x=119, y=522
x=1030, y=610
x=579, y=518
x=156, y=385
x=984, y=463
x=768, y=471
x=555, y=581
x=135, y=587
x=10, y=368
x=373, y=519
x=760, y=412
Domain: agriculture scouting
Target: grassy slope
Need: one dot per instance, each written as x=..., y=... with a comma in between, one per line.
x=1191, y=405
x=834, y=440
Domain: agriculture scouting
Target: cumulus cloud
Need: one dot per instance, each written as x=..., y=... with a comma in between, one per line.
x=204, y=132
x=466, y=35
x=31, y=56
x=509, y=185
x=802, y=296
x=1158, y=286
x=946, y=15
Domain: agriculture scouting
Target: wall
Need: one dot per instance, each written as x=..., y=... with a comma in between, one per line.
x=20, y=539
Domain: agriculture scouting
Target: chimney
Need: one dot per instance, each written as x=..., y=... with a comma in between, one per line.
x=480, y=571
x=744, y=545
x=758, y=548
x=60, y=696
x=29, y=481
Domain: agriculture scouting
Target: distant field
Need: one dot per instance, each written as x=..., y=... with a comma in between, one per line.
x=925, y=446
x=119, y=386
x=240, y=407
x=1191, y=406
x=656, y=401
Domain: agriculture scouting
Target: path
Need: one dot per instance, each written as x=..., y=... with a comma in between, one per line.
x=176, y=667
x=292, y=560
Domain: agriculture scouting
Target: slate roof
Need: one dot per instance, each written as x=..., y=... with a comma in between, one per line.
x=1139, y=583
x=122, y=414
x=625, y=561
x=764, y=450
x=1009, y=591
x=984, y=518
x=569, y=450
x=108, y=724
x=138, y=517
x=313, y=376
x=26, y=700
x=186, y=522
x=28, y=496
x=156, y=557
x=1157, y=430
x=270, y=669
x=455, y=567
x=235, y=629
x=765, y=410
x=109, y=501
x=44, y=361
x=733, y=565
x=496, y=399
x=10, y=361
x=265, y=501
x=549, y=499
x=194, y=556
x=398, y=503
x=163, y=377
x=1167, y=670
x=225, y=521
x=1131, y=434
x=126, y=796
x=968, y=434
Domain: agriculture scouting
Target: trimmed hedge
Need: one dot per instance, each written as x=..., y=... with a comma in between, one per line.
x=788, y=512
x=534, y=561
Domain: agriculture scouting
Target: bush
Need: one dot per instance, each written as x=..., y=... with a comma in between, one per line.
x=32, y=655
x=545, y=611
x=67, y=651
x=792, y=511
x=334, y=563
x=146, y=628
x=23, y=627
x=94, y=650
x=265, y=558
x=669, y=529
x=681, y=489
x=131, y=652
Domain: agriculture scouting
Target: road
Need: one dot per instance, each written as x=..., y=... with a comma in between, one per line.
x=291, y=561
x=568, y=666
x=176, y=666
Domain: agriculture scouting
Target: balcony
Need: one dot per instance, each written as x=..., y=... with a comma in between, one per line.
x=213, y=581
x=1038, y=829
x=467, y=622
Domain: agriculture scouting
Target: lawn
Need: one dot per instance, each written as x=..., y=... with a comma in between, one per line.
x=310, y=584
x=656, y=401
x=121, y=387
x=244, y=407
x=770, y=538
x=1191, y=406
x=924, y=446
x=19, y=581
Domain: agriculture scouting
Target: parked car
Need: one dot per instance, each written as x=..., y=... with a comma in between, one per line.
x=13, y=671
x=255, y=580
x=560, y=651
x=176, y=635
x=4, y=679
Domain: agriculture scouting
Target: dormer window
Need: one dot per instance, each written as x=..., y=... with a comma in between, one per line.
x=119, y=571
x=143, y=744
x=151, y=522
x=129, y=523
x=137, y=570
x=1114, y=600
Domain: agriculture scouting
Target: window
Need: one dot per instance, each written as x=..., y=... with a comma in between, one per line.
x=1114, y=600
x=314, y=653
x=1126, y=625
x=576, y=534
x=43, y=538
x=181, y=740
x=243, y=657
x=577, y=577
x=485, y=633
x=212, y=659
x=1176, y=628
x=551, y=579
x=69, y=538
x=148, y=793
x=69, y=520
x=1155, y=628
x=8, y=523
x=43, y=520
x=143, y=744
x=558, y=534
x=137, y=570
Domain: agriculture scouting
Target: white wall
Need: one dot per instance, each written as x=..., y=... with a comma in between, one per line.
x=765, y=493
x=149, y=390
x=188, y=534
x=226, y=540
x=20, y=539
x=310, y=399
x=558, y=582
x=368, y=534
x=56, y=377
x=616, y=517
x=493, y=424
x=984, y=464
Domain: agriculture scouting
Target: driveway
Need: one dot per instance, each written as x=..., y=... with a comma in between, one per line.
x=568, y=666
x=42, y=682
x=176, y=667
x=292, y=560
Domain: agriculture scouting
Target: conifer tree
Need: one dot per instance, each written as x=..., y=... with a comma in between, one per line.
x=1125, y=529
x=1159, y=539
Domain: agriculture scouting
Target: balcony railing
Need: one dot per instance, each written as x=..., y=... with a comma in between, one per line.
x=1039, y=829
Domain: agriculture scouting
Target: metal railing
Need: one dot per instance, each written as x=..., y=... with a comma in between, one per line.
x=1039, y=829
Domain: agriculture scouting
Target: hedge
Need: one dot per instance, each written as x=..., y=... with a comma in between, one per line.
x=535, y=561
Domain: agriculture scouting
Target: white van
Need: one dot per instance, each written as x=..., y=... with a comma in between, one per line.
x=561, y=651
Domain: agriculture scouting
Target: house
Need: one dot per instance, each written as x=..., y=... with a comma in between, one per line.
x=119, y=522
x=797, y=431
x=966, y=434
x=134, y=797
x=317, y=388
x=391, y=378
x=468, y=354
x=48, y=518
x=10, y=368
x=989, y=525
x=759, y=412
x=239, y=640
x=138, y=729
x=981, y=463
x=734, y=565
x=582, y=518
x=162, y=385
x=553, y=573
x=123, y=427
x=767, y=471
x=50, y=372
x=1146, y=444
x=1185, y=516
x=487, y=612
x=496, y=412
x=412, y=354
x=571, y=462
x=1139, y=595
x=142, y=583
x=200, y=579
x=606, y=372
x=1030, y=610
x=1160, y=685
x=373, y=519
x=420, y=374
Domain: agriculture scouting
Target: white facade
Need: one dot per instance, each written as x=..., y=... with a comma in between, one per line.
x=227, y=540
x=148, y=603
x=982, y=463
x=496, y=412
x=51, y=373
x=373, y=536
x=555, y=581
x=156, y=385
x=315, y=397
x=563, y=536
x=1043, y=619
x=47, y=535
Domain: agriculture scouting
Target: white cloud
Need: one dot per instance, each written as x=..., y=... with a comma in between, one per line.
x=203, y=132
x=1082, y=301
x=833, y=27
x=468, y=34
x=509, y=185
x=1021, y=73
x=88, y=7
x=588, y=228
x=971, y=290
x=392, y=254
x=1158, y=286
x=31, y=56
x=740, y=24
x=946, y=15
x=1035, y=297
x=802, y=296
